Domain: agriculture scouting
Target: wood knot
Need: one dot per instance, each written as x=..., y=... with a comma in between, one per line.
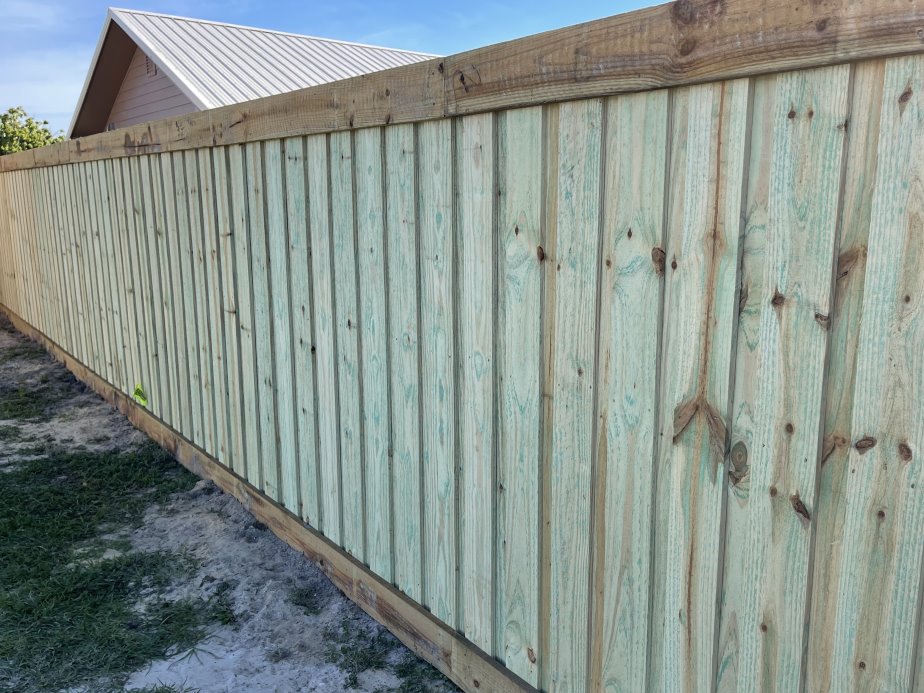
x=799, y=507
x=629, y=234
x=608, y=262
x=531, y=655
x=906, y=96
x=778, y=299
x=790, y=429
x=763, y=627
x=822, y=320
x=540, y=253
x=865, y=444
x=658, y=258
x=792, y=113
x=687, y=46
x=881, y=515
x=773, y=491
x=821, y=25
x=739, y=462
x=904, y=451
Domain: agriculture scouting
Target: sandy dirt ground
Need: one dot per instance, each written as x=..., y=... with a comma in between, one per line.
x=292, y=630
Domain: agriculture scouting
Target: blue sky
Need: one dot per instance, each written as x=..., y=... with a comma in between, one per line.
x=46, y=45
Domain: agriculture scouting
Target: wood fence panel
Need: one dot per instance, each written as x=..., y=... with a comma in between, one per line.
x=880, y=579
x=576, y=384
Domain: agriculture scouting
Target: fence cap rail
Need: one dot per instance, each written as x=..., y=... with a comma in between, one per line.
x=679, y=43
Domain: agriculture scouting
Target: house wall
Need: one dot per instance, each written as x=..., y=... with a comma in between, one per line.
x=146, y=94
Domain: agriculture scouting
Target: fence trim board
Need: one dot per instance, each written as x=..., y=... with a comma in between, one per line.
x=440, y=645
x=682, y=42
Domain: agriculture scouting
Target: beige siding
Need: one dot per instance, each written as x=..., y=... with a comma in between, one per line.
x=145, y=96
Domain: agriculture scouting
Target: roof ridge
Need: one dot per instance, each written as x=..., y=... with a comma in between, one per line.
x=123, y=10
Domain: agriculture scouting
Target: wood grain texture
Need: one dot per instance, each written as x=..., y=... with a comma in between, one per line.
x=437, y=380
x=214, y=277
x=190, y=305
x=631, y=295
x=475, y=299
x=173, y=293
x=238, y=162
x=850, y=273
x=521, y=255
x=371, y=260
x=299, y=250
x=262, y=321
x=781, y=367
x=883, y=534
x=707, y=153
x=451, y=654
x=322, y=274
x=404, y=355
x=347, y=327
x=198, y=276
x=579, y=181
x=230, y=223
x=283, y=428
x=678, y=43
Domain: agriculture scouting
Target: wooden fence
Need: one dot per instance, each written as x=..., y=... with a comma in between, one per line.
x=604, y=347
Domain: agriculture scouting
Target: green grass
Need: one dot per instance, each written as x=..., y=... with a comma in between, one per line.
x=354, y=655
x=28, y=403
x=22, y=350
x=307, y=599
x=67, y=618
x=10, y=434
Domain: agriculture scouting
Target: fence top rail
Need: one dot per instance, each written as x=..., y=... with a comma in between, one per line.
x=679, y=43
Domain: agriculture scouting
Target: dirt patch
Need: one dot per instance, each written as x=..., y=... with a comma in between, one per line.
x=214, y=600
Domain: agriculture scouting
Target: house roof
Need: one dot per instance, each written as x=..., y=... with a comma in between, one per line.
x=216, y=64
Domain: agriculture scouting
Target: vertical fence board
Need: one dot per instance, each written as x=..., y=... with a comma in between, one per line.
x=265, y=422
x=370, y=251
x=347, y=329
x=278, y=268
x=163, y=232
x=403, y=332
x=438, y=385
x=475, y=207
x=632, y=265
x=788, y=308
x=580, y=180
x=214, y=332
x=299, y=249
x=197, y=275
x=519, y=363
x=173, y=283
x=883, y=534
x=707, y=153
x=322, y=274
x=850, y=271
x=191, y=307
x=243, y=270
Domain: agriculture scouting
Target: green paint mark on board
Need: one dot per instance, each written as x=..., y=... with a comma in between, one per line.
x=139, y=396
